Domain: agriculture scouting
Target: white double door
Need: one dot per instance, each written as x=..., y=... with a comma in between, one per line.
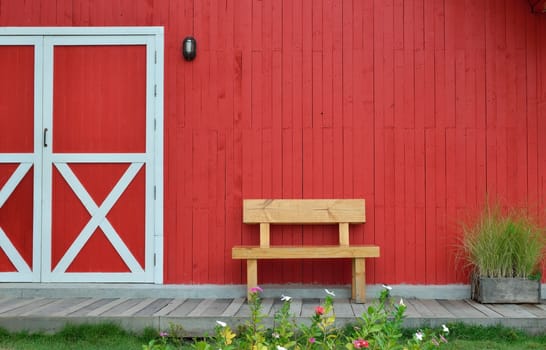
x=80, y=155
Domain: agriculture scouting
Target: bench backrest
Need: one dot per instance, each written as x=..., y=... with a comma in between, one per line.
x=303, y=211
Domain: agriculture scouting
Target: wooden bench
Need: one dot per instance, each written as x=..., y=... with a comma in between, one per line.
x=306, y=211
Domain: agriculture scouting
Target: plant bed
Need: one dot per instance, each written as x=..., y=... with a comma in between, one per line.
x=504, y=250
x=488, y=290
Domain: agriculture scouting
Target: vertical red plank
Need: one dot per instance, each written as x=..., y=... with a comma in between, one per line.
x=327, y=45
x=307, y=192
x=430, y=194
x=348, y=68
x=378, y=77
x=391, y=233
x=307, y=64
x=337, y=67
x=532, y=116
x=220, y=253
x=410, y=239
x=317, y=96
x=287, y=68
x=441, y=200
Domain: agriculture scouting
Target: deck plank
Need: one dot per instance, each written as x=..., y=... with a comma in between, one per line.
x=108, y=306
x=168, y=308
x=136, y=308
x=217, y=308
x=411, y=310
x=296, y=305
x=483, y=308
x=152, y=308
x=360, y=309
x=267, y=304
x=308, y=307
x=459, y=308
x=200, y=309
x=432, y=308
x=342, y=308
x=511, y=310
x=68, y=310
x=121, y=308
x=233, y=307
x=185, y=308
x=535, y=310
x=56, y=307
x=15, y=303
x=29, y=307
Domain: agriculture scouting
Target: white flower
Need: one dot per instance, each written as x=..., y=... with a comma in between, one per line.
x=285, y=298
x=387, y=287
x=330, y=292
x=275, y=335
x=445, y=329
x=419, y=335
x=402, y=302
x=280, y=347
x=222, y=324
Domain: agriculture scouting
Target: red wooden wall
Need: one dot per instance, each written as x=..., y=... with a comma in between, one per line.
x=418, y=106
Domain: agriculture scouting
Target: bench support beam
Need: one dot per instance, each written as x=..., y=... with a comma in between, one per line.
x=251, y=275
x=359, y=280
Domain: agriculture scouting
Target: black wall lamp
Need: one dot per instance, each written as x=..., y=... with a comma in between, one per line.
x=189, y=48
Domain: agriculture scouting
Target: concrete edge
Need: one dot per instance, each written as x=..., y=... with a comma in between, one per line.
x=104, y=290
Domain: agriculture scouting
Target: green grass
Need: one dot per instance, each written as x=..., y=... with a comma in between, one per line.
x=498, y=244
x=81, y=337
x=491, y=337
x=109, y=336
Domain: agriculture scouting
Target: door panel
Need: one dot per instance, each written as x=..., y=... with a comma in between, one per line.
x=100, y=129
x=17, y=94
x=99, y=99
x=19, y=160
x=16, y=217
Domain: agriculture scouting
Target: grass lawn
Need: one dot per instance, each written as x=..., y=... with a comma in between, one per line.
x=107, y=336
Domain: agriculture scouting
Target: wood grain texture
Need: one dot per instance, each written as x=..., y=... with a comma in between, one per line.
x=290, y=252
x=303, y=211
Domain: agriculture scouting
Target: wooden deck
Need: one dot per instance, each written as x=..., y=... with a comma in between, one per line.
x=198, y=316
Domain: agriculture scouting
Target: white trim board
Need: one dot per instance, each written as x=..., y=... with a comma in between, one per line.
x=46, y=31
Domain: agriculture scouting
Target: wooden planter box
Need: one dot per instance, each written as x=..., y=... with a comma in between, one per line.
x=505, y=290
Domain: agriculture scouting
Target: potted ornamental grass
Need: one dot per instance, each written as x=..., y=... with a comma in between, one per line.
x=505, y=251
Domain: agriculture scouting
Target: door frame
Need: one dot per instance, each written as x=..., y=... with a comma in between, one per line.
x=39, y=36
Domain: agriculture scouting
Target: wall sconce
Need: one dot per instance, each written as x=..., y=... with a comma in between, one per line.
x=189, y=48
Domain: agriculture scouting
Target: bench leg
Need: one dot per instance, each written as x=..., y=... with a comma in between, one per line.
x=251, y=275
x=359, y=280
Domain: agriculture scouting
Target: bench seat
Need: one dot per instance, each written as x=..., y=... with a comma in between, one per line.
x=305, y=252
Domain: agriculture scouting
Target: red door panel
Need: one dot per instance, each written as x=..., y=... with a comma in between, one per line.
x=99, y=109
x=17, y=99
x=16, y=146
x=99, y=102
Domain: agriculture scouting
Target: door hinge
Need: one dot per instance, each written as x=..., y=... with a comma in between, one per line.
x=155, y=262
x=155, y=90
x=155, y=124
x=155, y=191
x=155, y=57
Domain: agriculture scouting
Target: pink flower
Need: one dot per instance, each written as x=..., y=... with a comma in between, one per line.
x=163, y=334
x=312, y=340
x=360, y=343
x=256, y=289
x=319, y=310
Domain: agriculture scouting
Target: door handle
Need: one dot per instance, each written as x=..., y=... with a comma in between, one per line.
x=45, y=137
